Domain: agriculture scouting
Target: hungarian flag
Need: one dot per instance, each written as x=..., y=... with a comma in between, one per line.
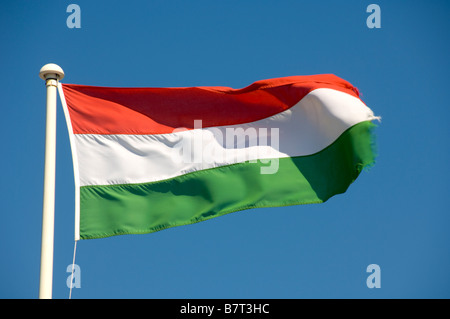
x=146, y=159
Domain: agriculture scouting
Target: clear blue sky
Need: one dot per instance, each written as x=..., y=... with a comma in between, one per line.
x=396, y=215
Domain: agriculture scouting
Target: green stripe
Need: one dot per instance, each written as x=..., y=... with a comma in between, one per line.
x=198, y=196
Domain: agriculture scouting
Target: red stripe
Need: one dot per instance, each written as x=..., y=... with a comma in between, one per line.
x=102, y=110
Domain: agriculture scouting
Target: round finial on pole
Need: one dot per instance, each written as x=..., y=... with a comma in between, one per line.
x=51, y=71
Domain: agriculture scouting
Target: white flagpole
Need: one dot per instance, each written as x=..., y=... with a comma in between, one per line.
x=51, y=73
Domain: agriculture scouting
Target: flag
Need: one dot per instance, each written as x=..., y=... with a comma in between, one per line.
x=146, y=159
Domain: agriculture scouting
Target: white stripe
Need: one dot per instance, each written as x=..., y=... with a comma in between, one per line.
x=308, y=127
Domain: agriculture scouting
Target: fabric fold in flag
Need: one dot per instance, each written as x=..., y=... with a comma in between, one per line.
x=146, y=159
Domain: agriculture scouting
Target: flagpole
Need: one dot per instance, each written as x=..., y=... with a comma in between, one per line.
x=51, y=73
